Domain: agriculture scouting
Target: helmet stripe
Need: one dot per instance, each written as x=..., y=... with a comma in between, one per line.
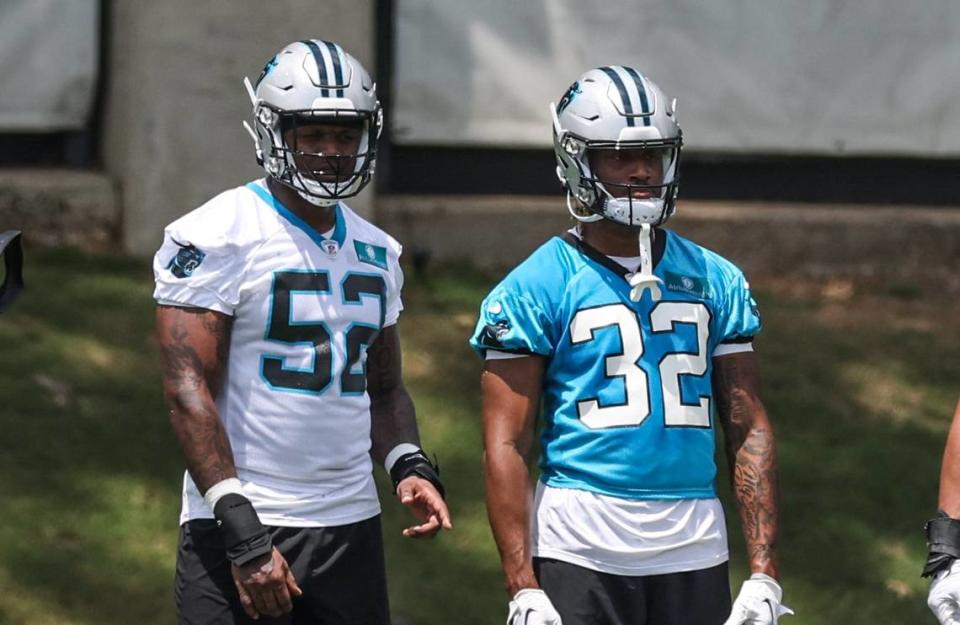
x=627, y=107
x=318, y=57
x=644, y=105
x=337, y=65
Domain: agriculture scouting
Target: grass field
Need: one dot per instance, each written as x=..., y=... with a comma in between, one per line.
x=861, y=383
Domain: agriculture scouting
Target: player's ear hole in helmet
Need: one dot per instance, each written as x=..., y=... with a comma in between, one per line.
x=316, y=121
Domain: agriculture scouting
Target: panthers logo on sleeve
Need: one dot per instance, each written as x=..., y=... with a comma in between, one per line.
x=186, y=261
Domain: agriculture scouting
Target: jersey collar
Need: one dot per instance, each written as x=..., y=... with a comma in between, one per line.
x=659, y=247
x=339, y=228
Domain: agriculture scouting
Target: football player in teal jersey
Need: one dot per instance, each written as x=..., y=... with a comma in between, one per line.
x=633, y=343
x=943, y=535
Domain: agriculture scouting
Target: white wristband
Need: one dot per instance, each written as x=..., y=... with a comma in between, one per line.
x=396, y=452
x=221, y=488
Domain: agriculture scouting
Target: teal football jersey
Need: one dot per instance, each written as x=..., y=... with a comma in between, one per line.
x=627, y=395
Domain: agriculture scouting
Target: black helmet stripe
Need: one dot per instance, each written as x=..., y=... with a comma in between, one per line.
x=318, y=56
x=627, y=107
x=337, y=65
x=644, y=104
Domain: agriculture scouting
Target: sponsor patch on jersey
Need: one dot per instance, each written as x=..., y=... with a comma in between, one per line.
x=371, y=254
x=690, y=285
x=186, y=261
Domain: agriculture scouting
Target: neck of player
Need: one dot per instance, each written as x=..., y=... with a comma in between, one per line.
x=320, y=218
x=614, y=239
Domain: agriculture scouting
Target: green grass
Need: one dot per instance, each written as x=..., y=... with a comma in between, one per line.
x=861, y=391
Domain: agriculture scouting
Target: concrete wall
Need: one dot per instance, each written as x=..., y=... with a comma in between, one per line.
x=880, y=244
x=175, y=99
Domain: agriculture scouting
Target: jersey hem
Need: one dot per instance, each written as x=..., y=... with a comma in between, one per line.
x=697, y=493
x=602, y=567
x=279, y=521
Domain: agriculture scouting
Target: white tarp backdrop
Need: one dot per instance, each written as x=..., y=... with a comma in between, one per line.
x=48, y=60
x=814, y=77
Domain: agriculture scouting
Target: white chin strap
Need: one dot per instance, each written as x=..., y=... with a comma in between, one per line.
x=316, y=201
x=644, y=279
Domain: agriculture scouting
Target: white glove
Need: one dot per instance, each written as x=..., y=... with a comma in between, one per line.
x=531, y=606
x=944, y=597
x=758, y=602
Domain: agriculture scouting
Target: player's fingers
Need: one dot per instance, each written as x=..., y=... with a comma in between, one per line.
x=264, y=600
x=436, y=506
x=443, y=513
x=291, y=583
x=283, y=599
x=424, y=530
x=405, y=492
x=246, y=602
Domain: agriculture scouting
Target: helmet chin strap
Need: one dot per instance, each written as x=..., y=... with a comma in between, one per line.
x=322, y=202
x=644, y=279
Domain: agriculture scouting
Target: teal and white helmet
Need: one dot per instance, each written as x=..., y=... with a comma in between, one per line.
x=314, y=81
x=616, y=108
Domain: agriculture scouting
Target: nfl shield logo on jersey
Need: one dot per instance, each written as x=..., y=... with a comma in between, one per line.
x=330, y=247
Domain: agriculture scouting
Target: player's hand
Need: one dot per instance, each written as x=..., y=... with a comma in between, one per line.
x=427, y=506
x=531, y=606
x=266, y=586
x=758, y=602
x=944, y=596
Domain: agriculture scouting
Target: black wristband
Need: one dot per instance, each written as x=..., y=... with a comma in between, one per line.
x=244, y=535
x=417, y=463
x=943, y=543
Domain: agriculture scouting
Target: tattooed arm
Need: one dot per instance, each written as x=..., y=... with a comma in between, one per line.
x=393, y=421
x=194, y=343
x=752, y=456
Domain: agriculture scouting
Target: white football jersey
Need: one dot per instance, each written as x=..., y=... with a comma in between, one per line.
x=305, y=308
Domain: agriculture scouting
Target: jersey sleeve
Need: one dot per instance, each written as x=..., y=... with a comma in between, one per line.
x=199, y=270
x=394, y=301
x=739, y=320
x=512, y=322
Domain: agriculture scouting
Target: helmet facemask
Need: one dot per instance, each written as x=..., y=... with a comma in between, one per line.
x=321, y=178
x=590, y=197
x=633, y=203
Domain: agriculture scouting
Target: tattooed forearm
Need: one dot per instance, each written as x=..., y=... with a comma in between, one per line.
x=752, y=456
x=393, y=419
x=194, y=346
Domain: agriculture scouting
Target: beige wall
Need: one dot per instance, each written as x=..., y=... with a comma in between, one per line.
x=176, y=99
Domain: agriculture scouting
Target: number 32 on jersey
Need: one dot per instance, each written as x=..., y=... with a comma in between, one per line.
x=626, y=365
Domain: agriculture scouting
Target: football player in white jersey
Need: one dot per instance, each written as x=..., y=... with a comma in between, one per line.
x=277, y=324
x=943, y=535
x=633, y=343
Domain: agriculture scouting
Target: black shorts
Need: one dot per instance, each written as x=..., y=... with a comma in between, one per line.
x=586, y=597
x=340, y=570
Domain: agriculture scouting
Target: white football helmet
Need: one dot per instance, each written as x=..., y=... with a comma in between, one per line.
x=616, y=108
x=314, y=81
